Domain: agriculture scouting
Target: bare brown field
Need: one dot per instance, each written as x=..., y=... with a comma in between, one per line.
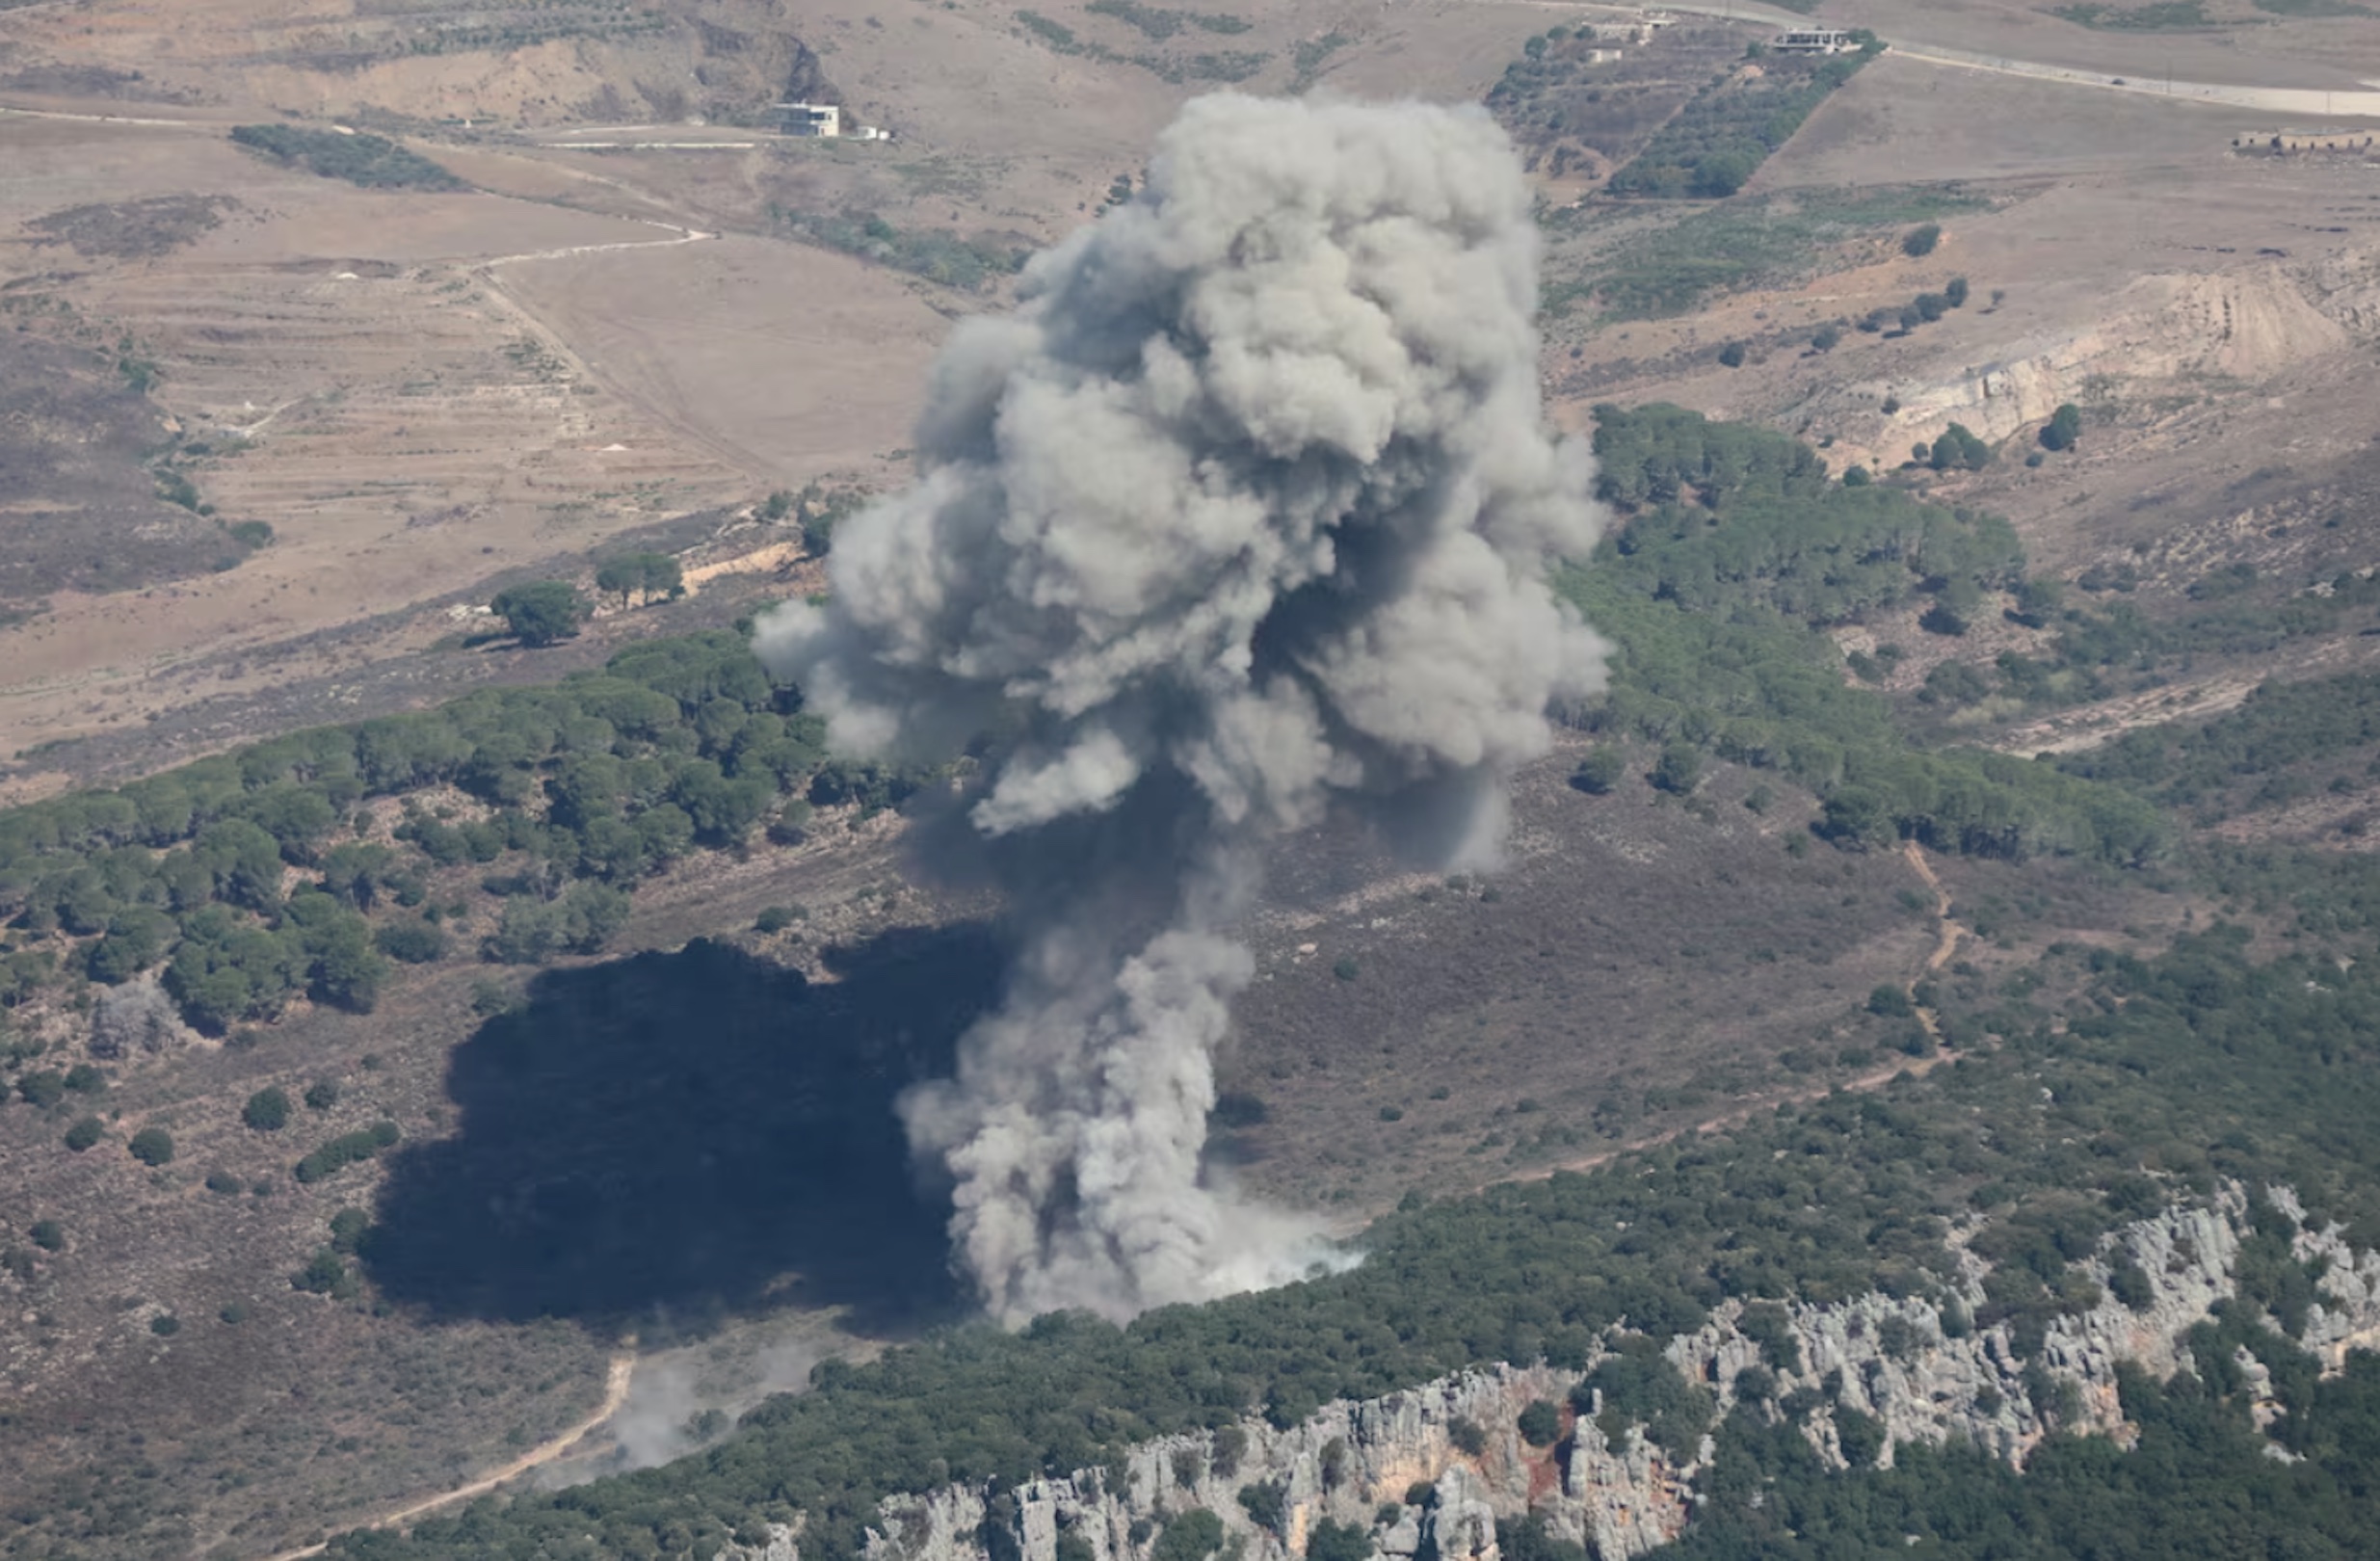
x=786, y=359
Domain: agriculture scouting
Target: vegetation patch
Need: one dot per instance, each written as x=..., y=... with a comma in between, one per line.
x=361, y=158
x=970, y=265
x=1728, y=130
x=1766, y=241
x=2164, y=16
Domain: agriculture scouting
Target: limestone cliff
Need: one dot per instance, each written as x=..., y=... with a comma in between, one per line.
x=1918, y=1367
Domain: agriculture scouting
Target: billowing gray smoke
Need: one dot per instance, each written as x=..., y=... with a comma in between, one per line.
x=1246, y=512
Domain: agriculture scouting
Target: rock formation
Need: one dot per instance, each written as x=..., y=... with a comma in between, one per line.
x=1918, y=1368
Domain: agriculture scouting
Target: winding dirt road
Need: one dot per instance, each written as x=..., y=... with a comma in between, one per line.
x=614, y=1394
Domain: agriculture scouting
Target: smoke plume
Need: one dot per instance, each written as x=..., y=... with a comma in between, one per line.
x=1244, y=513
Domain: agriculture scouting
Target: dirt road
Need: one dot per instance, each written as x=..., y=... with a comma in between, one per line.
x=614, y=1394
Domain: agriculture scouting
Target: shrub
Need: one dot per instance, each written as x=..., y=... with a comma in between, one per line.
x=1601, y=770
x=344, y=1151
x=43, y=1089
x=152, y=1146
x=1921, y=239
x=1954, y=292
x=165, y=1325
x=411, y=941
x=1266, y=1503
x=48, y=1235
x=225, y=1182
x=1541, y=1424
x=1467, y=1437
x=348, y=1228
x=1888, y=1001
x=1826, y=339
x=2064, y=428
x=1679, y=770
x=1857, y=477
x=323, y=1094
x=1733, y=354
x=1328, y=1540
x=1347, y=968
x=776, y=918
x=1230, y=1445
x=324, y=1274
x=86, y=1132
x=1861, y=1437
x=1189, y=1536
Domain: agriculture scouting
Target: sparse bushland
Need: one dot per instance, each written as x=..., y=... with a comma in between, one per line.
x=1747, y=242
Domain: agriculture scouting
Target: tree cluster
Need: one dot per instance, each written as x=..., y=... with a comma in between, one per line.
x=584, y=788
x=1726, y=131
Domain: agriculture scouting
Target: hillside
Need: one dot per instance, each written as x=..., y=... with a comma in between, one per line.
x=1907, y=1073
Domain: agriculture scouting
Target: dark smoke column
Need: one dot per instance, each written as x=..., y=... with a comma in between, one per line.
x=1244, y=513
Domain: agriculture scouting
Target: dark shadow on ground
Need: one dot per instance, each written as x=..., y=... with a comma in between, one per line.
x=663, y=1140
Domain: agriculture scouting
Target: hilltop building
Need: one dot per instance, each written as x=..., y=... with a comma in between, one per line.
x=1814, y=40
x=2306, y=141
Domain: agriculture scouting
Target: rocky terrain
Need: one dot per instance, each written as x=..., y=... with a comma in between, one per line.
x=1399, y=1467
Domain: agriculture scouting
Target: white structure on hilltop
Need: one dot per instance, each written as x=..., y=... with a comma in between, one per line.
x=822, y=120
x=1813, y=41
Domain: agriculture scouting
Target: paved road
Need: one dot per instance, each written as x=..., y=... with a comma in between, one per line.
x=2297, y=102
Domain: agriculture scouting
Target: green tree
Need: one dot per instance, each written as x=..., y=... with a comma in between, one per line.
x=86, y=1131
x=1732, y=356
x=324, y=1274
x=48, y=1235
x=1267, y=1504
x=1189, y=1536
x=1541, y=1424
x=1679, y=770
x=1955, y=291
x=645, y=575
x=152, y=1146
x=1826, y=339
x=1330, y=1541
x=1721, y=173
x=411, y=941
x=544, y=613
x=1601, y=770
x=267, y=1110
x=2064, y=428
x=1921, y=241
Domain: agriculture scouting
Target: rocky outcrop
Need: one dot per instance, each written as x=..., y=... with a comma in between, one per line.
x=1428, y=1472
x=2247, y=323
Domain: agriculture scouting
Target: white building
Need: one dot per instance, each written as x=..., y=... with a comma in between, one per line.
x=1813, y=41
x=811, y=119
